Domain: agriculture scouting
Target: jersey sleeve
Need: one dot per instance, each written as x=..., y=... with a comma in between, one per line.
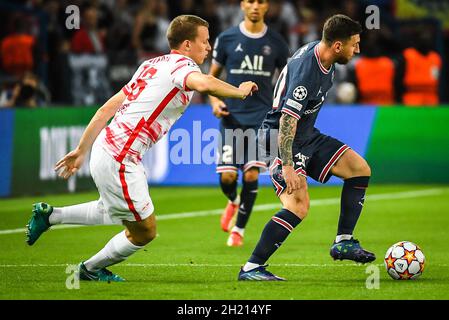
x=127, y=88
x=181, y=70
x=301, y=86
x=219, y=52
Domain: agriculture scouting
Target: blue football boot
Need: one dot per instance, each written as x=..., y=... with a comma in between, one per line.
x=258, y=274
x=351, y=250
x=100, y=275
x=38, y=223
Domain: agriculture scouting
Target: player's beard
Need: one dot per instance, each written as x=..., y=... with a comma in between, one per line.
x=342, y=60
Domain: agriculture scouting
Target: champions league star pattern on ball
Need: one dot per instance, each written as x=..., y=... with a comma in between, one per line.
x=404, y=261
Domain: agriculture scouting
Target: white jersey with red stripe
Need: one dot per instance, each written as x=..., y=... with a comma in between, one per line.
x=156, y=97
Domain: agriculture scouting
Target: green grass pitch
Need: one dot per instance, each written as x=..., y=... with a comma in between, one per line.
x=189, y=258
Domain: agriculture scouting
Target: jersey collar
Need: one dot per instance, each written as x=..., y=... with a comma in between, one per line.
x=317, y=56
x=252, y=35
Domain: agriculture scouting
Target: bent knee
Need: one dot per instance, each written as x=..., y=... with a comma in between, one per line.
x=146, y=239
x=228, y=177
x=150, y=235
x=304, y=210
x=251, y=175
x=360, y=169
x=143, y=237
x=364, y=169
x=300, y=209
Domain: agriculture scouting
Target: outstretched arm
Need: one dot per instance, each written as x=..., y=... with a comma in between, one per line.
x=218, y=105
x=287, y=131
x=208, y=84
x=72, y=161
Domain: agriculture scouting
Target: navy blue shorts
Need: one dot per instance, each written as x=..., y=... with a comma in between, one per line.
x=238, y=149
x=313, y=158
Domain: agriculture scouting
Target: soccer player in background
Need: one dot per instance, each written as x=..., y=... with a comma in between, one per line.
x=144, y=111
x=249, y=51
x=303, y=151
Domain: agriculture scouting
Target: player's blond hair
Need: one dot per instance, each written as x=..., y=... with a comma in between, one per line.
x=184, y=27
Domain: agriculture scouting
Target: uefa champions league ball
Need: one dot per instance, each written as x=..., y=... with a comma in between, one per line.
x=404, y=261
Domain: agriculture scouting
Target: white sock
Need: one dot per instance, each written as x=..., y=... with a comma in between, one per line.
x=250, y=266
x=116, y=250
x=238, y=230
x=236, y=200
x=341, y=237
x=89, y=213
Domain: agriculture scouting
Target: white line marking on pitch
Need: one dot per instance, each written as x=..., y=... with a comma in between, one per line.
x=202, y=265
x=271, y=206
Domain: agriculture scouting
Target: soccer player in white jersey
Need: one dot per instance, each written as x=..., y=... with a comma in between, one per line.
x=144, y=110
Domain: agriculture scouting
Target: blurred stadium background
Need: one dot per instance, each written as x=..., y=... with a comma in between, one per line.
x=390, y=104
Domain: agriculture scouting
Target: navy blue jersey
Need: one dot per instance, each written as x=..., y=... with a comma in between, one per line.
x=250, y=58
x=300, y=91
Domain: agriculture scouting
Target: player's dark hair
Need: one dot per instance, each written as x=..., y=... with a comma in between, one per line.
x=340, y=27
x=265, y=1
x=184, y=27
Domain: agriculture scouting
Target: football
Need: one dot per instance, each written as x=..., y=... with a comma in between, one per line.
x=404, y=261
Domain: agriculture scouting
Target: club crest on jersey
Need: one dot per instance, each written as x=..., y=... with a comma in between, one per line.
x=300, y=93
x=192, y=64
x=301, y=160
x=266, y=50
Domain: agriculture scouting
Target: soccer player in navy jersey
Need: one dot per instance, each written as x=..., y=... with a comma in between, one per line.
x=303, y=151
x=249, y=51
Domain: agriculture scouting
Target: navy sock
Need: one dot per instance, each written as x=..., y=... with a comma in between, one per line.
x=230, y=190
x=352, y=200
x=247, y=199
x=274, y=233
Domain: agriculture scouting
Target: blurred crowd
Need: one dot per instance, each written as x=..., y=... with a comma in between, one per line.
x=80, y=52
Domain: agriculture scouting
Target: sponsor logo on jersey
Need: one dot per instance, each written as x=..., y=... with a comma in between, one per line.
x=315, y=108
x=239, y=48
x=300, y=93
x=252, y=67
